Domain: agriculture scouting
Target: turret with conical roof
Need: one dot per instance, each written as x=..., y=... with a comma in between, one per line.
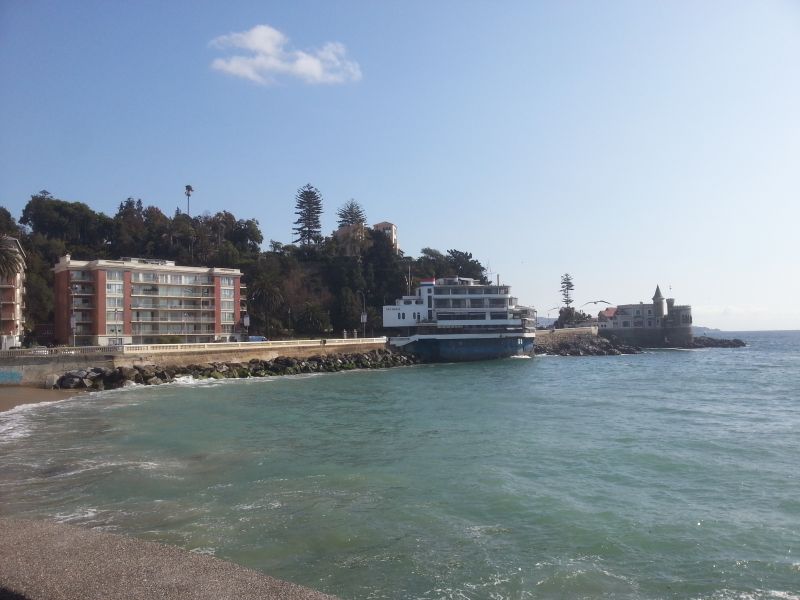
x=659, y=304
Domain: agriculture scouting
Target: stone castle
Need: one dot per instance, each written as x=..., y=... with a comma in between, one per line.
x=660, y=324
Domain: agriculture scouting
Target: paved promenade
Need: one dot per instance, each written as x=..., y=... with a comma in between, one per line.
x=40, y=560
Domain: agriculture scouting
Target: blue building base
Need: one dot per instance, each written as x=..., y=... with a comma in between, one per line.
x=467, y=349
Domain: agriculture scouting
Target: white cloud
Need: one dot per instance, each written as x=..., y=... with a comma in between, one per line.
x=269, y=56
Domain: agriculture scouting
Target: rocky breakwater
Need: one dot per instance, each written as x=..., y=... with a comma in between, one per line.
x=703, y=341
x=583, y=345
x=98, y=378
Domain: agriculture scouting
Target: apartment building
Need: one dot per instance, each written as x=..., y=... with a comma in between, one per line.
x=12, y=303
x=145, y=301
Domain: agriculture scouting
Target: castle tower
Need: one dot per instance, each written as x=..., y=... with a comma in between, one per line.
x=659, y=303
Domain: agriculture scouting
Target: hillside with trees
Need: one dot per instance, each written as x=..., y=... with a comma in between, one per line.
x=316, y=285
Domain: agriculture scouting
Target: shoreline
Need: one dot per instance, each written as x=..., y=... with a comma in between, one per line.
x=12, y=396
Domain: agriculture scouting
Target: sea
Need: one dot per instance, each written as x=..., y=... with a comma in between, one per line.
x=667, y=474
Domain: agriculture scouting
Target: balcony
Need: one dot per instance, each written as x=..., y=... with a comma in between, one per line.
x=162, y=292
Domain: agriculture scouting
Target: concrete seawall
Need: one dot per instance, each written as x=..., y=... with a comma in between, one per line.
x=40, y=371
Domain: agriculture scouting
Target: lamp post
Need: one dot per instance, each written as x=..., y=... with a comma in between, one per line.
x=246, y=324
x=363, y=313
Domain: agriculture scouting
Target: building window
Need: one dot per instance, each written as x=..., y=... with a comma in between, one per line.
x=226, y=293
x=113, y=302
x=226, y=281
x=113, y=329
x=626, y=323
x=114, y=289
x=113, y=316
x=227, y=317
x=226, y=304
x=113, y=275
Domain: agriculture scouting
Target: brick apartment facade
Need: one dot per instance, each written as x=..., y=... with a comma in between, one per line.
x=145, y=301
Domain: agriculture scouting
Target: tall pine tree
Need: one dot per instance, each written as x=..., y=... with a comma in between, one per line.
x=308, y=208
x=351, y=214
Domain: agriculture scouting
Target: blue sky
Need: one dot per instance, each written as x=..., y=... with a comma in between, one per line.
x=627, y=143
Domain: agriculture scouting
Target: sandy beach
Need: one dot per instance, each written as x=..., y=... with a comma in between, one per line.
x=11, y=396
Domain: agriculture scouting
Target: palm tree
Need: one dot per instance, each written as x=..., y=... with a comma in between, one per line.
x=12, y=260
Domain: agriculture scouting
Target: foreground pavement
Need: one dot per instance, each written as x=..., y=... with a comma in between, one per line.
x=41, y=560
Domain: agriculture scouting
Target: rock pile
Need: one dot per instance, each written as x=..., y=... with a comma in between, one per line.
x=703, y=341
x=583, y=345
x=98, y=378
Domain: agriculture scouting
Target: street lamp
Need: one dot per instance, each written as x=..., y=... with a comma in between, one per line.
x=246, y=324
x=363, y=314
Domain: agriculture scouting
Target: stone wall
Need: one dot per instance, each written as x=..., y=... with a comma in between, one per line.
x=182, y=359
x=655, y=337
x=38, y=371
x=35, y=370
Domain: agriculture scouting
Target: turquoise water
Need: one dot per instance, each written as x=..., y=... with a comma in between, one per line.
x=671, y=474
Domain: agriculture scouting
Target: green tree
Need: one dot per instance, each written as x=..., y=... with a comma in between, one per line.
x=8, y=225
x=129, y=230
x=312, y=320
x=347, y=310
x=308, y=208
x=463, y=265
x=85, y=232
x=432, y=263
x=566, y=288
x=266, y=302
x=351, y=213
x=569, y=317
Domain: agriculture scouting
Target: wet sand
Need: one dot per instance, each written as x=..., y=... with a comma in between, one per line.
x=41, y=560
x=12, y=395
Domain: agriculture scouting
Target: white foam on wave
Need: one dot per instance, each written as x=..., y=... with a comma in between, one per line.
x=726, y=594
x=16, y=423
x=83, y=514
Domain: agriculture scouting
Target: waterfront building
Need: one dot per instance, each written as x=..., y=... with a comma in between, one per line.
x=145, y=301
x=12, y=303
x=459, y=318
x=661, y=323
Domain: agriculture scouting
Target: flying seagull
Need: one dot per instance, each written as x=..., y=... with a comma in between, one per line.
x=595, y=302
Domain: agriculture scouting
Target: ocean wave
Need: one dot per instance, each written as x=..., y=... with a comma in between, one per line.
x=726, y=594
x=16, y=423
x=85, y=514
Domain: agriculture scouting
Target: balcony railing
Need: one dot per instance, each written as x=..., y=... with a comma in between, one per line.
x=185, y=348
